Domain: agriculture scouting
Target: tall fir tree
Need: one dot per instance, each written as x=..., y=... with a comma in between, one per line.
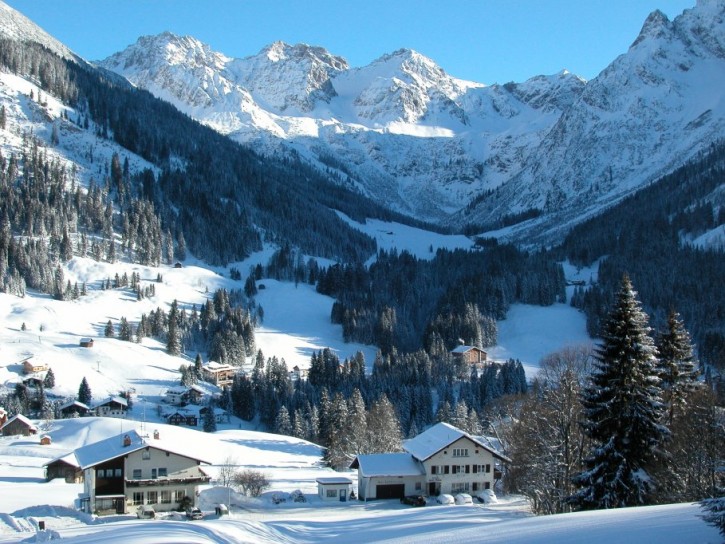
x=173, y=340
x=623, y=409
x=84, y=392
x=677, y=365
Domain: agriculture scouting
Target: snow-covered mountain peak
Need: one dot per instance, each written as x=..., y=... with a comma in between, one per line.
x=656, y=26
x=16, y=26
x=280, y=51
x=167, y=48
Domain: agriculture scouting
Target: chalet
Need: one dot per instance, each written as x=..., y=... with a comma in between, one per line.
x=470, y=355
x=178, y=418
x=3, y=416
x=442, y=459
x=65, y=467
x=86, y=342
x=112, y=407
x=30, y=366
x=130, y=470
x=218, y=373
x=334, y=488
x=298, y=373
x=73, y=409
x=181, y=395
x=18, y=425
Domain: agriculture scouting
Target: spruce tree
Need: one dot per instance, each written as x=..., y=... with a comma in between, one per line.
x=677, y=365
x=622, y=407
x=173, y=341
x=49, y=380
x=209, y=421
x=84, y=392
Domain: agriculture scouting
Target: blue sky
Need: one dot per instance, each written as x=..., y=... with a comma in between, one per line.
x=489, y=41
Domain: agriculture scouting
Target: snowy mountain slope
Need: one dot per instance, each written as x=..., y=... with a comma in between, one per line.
x=15, y=25
x=645, y=114
x=406, y=133
x=400, y=129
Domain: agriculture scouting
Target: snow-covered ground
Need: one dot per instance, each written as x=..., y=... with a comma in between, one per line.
x=296, y=322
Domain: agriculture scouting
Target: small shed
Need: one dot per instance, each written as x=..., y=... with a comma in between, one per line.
x=334, y=488
x=65, y=467
x=86, y=342
x=45, y=440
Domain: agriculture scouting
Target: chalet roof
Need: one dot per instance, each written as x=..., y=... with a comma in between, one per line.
x=118, y=400
x=388, y=464
x=111, y=448
x=438, y=437
x=465, y=349
x=22, y=419
x=213, y=366
x=77, y=403
x=67, y=459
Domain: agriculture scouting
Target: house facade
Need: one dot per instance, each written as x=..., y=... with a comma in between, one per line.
x=73, y=409
x=180, y=396
x=218, y=373
x=130, y=470
x=31, y=366
x=470, y=355
x=442, y=459
x=113, y=407
x=334, y=489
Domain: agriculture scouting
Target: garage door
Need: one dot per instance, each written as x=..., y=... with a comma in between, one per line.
x=391, y=491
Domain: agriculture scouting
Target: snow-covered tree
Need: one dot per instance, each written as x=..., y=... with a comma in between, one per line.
x=283, y=423
x=623, y=409
x=384, y=433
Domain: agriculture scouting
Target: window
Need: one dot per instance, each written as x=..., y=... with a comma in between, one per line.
x=179, y=495
x=331, y=493
x=146, y=454
x=434, y=469
x=117, y=473
x=488, y=468
x=137, y=498
x=153, y=497
x=487, y=485
x=166, y=497
x=137, y=474
x=163, y=473
x=475, y=486
x=418, y=486
x=460, y=452
x=153, y=473
x=459, y=487
x=445, y=469
x=100, y=473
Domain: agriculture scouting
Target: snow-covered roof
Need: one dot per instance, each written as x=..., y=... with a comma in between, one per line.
x=213, y=366
x=68, y=459
x=110, y=448
x=118, y=400
x=73, y=403
x=388, y=464
x=439, y=436
x=464, y=349
x=21, y=418
x=339, y=480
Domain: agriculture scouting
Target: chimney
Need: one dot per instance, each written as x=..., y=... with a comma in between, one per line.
x=126, y=441
x=156, y=434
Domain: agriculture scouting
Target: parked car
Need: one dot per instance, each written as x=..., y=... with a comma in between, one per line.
x=487, y=496
x=145, y=511
x=445, y=499
x=194, y=513
x=413, y=500
x=463, y=498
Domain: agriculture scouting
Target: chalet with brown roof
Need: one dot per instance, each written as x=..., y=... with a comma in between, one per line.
x=31, y=366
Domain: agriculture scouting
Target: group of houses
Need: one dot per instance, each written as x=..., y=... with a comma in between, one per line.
x=136, y=468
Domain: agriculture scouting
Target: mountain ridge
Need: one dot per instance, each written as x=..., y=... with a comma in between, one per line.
x=433, y=146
